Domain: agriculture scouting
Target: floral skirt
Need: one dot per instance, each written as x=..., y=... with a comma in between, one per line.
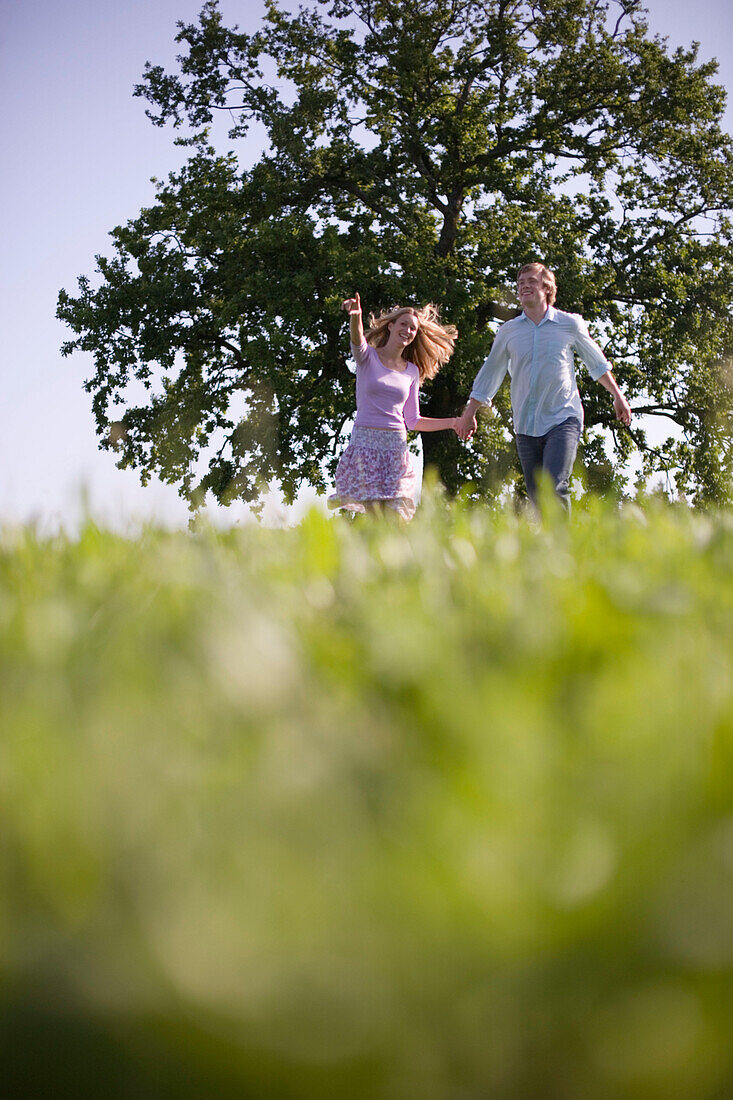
x=375, y=467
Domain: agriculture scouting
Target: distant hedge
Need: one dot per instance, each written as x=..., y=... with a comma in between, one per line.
x=358, y=811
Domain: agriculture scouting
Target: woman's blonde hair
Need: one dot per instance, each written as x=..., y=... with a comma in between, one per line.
x=432, y=346
x=547, y=278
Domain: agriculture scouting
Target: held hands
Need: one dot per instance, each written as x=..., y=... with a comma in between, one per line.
x=465, y=425
x=352, y=305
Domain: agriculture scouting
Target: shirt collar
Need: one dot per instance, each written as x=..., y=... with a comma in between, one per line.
x=550, y=315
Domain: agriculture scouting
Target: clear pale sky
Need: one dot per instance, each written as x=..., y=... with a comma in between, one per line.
x=78, y=154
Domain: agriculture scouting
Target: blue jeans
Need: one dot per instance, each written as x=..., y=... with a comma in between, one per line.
x=555, y=453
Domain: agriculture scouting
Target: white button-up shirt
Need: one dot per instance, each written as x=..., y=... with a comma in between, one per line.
x=540, y=361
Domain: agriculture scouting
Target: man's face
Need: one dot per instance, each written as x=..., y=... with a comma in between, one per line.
x=530, y=290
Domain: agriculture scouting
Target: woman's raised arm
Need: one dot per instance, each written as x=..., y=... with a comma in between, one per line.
x=356, y=329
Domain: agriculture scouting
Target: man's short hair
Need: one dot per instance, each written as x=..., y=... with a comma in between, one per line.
x=548, y=279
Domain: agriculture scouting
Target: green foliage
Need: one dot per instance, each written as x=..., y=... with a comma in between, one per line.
x=415, y=152
x=352, y=810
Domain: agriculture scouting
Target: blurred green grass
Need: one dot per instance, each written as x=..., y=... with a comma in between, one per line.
x=348, y=810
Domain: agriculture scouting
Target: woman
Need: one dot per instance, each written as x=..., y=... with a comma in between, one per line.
x=398, y=352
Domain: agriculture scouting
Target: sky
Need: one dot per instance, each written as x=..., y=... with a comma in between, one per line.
x=78, y=154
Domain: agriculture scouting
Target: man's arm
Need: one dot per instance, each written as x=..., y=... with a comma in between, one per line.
x=599, y=368
x=620, y=405
x=486, y=383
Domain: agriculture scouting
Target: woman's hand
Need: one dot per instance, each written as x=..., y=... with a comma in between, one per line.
x=352, y=305
x=356, y=329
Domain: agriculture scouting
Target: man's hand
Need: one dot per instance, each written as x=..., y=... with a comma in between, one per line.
x=622, y=409
x=620, y=405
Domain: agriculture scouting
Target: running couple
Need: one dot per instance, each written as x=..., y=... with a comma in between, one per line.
x=403, y=347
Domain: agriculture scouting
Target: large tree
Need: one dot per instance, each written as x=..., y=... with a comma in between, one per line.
x=415, y=150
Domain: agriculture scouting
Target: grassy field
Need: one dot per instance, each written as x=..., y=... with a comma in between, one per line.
x=353, y=811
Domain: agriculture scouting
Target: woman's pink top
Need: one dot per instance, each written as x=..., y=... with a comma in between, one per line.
x=384, y=398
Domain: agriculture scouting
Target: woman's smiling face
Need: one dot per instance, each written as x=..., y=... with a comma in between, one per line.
x=405, y=327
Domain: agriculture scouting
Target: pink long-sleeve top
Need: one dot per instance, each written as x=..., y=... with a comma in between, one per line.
x=384, y=398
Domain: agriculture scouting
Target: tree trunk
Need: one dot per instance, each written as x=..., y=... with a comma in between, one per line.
x=451, y=218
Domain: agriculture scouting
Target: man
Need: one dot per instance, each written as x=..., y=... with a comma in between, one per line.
x=537, y=348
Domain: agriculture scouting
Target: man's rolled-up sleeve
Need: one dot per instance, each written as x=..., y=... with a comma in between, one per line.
x=588, y=350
